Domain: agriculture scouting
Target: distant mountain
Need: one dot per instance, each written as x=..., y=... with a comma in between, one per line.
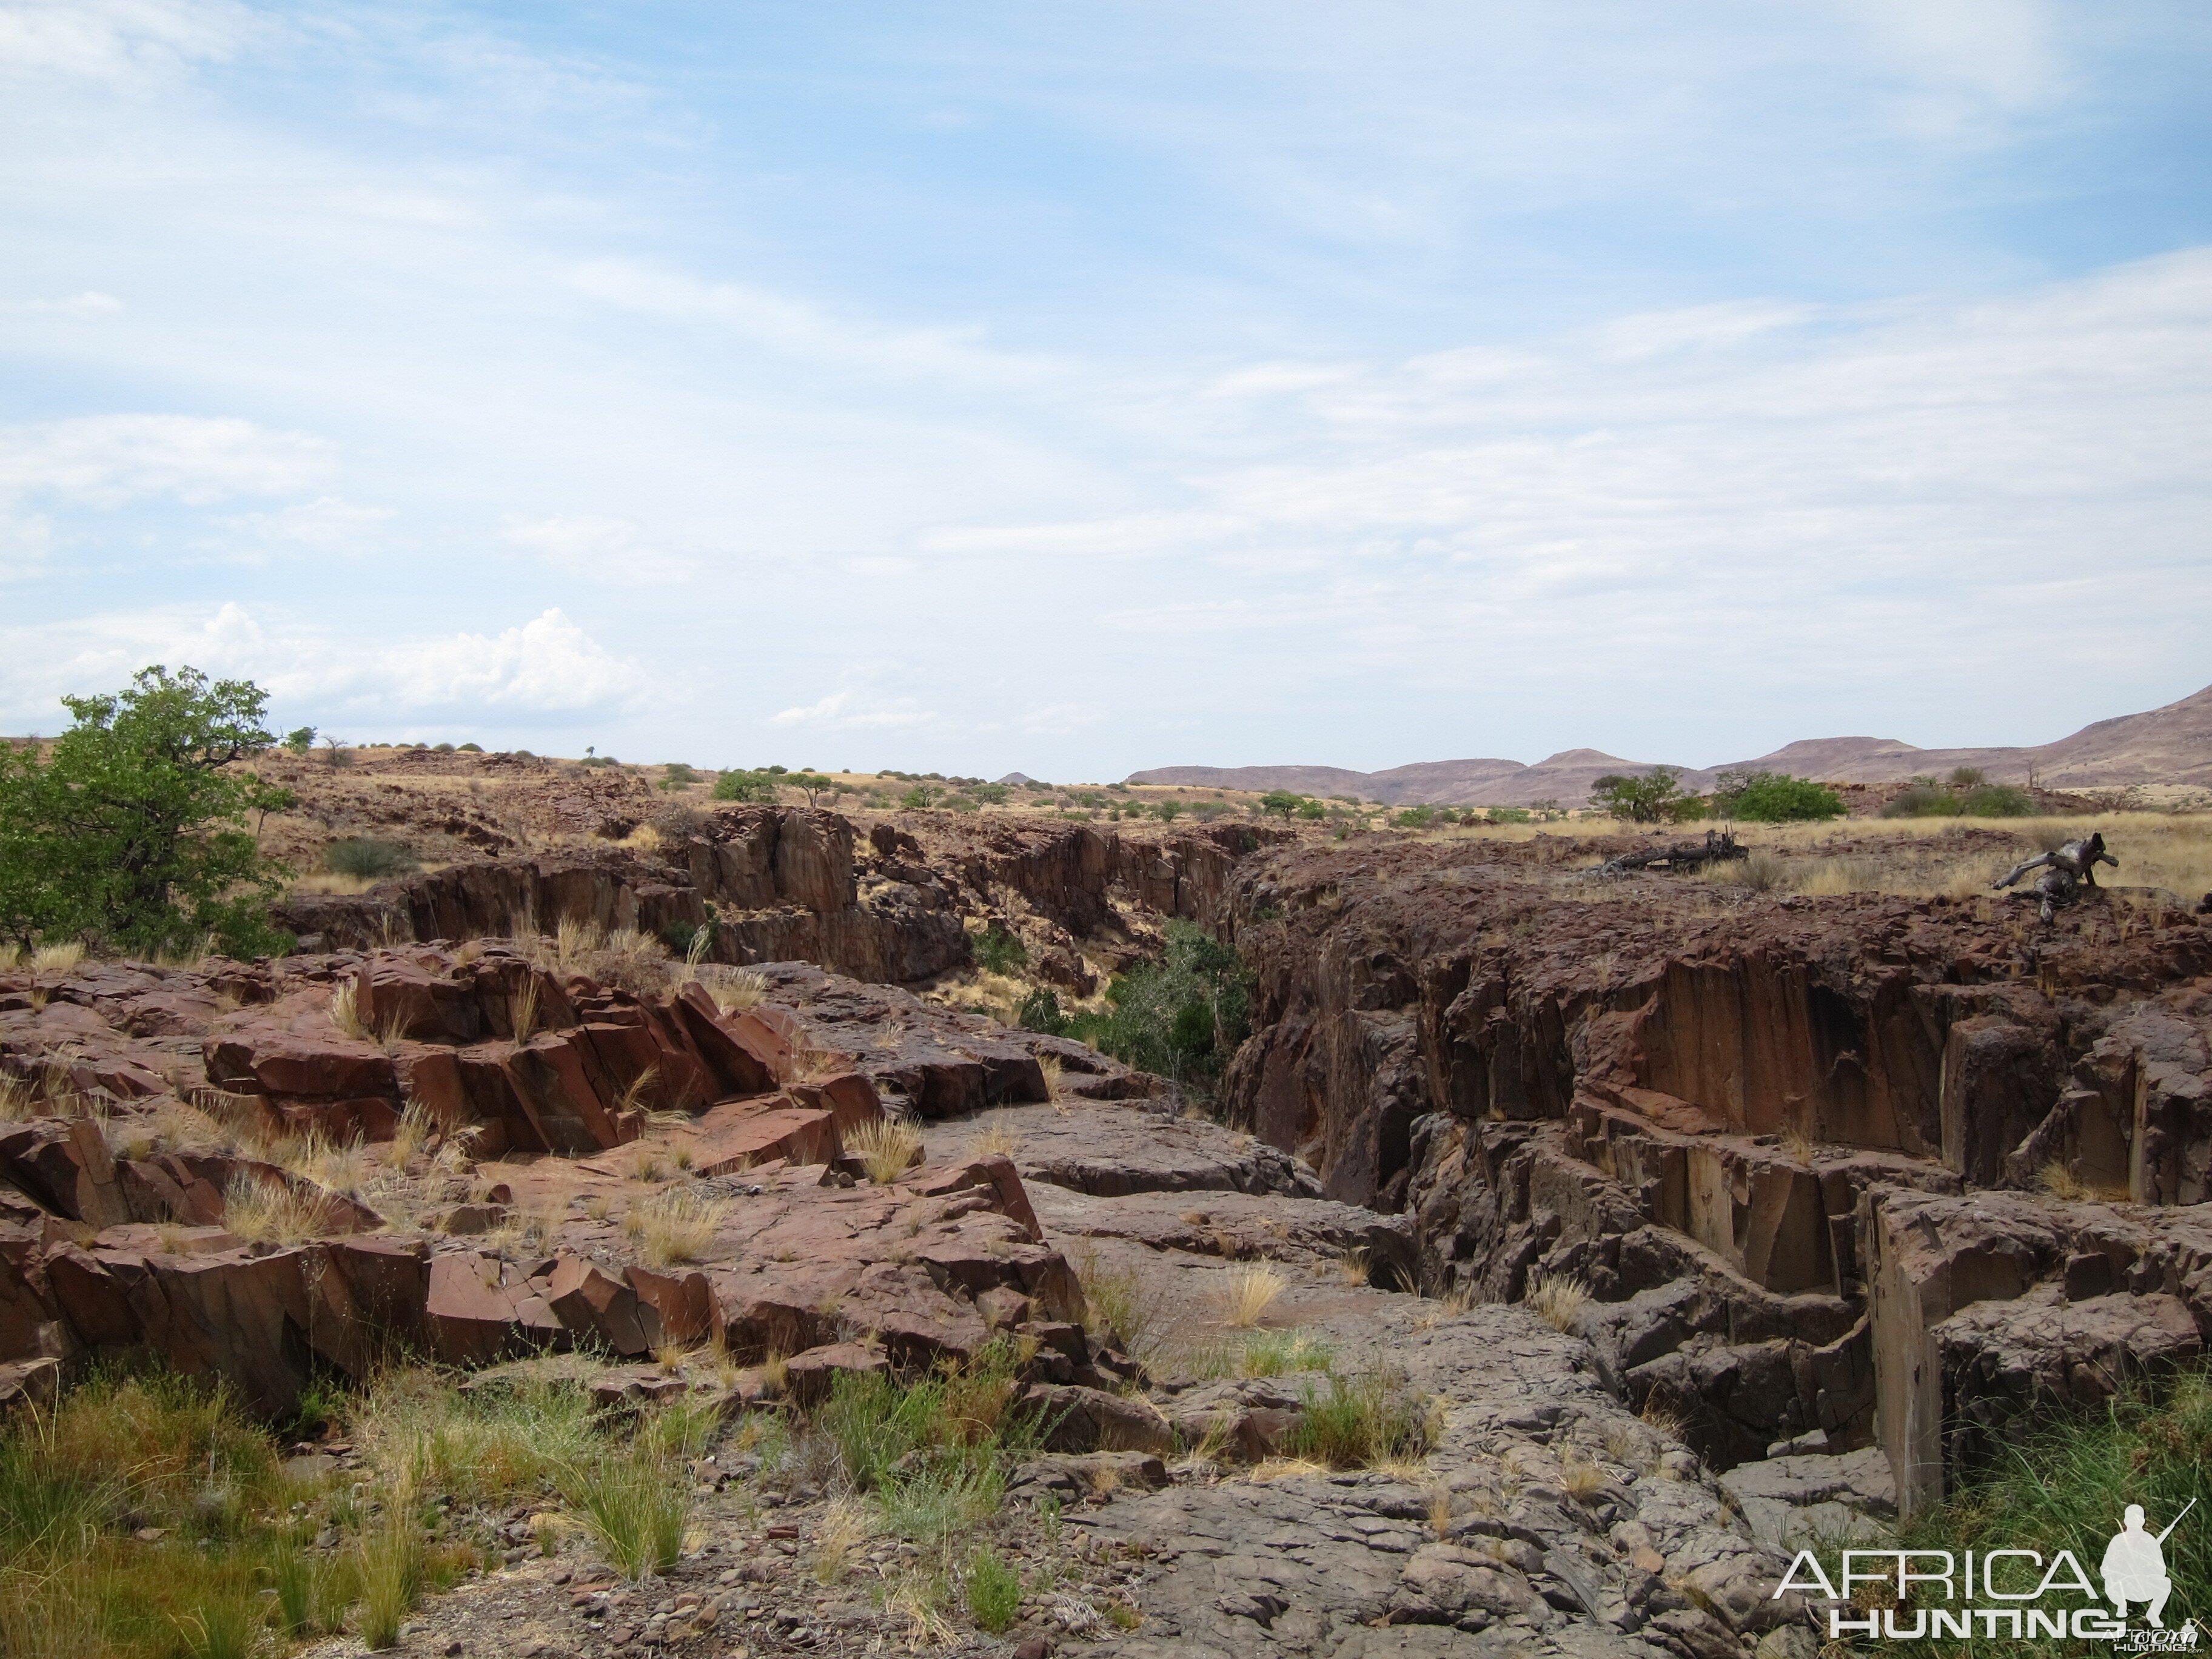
x=2172, y=745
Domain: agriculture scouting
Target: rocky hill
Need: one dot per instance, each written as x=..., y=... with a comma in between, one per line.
x=2167, y=745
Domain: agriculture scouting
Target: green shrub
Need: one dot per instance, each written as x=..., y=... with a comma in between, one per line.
x=1416, y=818
x=991, y=794
x=1181, y=1017
x=300, y=739
x=1039, y=1010
x=1999, y=801
x=471, y=749
x=1775, y=798
x=999, y=950
x=755, y=787
x=993, y=1591
x=1924, y=797
x=921, y=796
x=367, y=858
x=132, y=833
x=1646, y=799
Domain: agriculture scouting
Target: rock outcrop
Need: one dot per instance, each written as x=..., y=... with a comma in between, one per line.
x=1708, y=1123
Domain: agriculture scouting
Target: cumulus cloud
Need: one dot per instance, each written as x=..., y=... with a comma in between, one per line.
x=546, y=666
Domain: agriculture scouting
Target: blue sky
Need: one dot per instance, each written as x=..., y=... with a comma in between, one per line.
x=1081, y=388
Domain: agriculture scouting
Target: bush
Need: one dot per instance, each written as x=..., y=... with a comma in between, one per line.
x=1647, y=800
x=471, y=749
x=366, y=859
x=1181, y=1017
x=1361, y=1421
x=678, y=820
x=1416, y=818
x=921, y=796
x=999, y=950
x=755, y=787
x=132, y=833
x=1040, y=1011
x=1775, y=798
x=1924, y=798
x=1999, y=801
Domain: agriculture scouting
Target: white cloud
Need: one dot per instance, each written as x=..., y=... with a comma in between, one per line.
x=595, y=548
x=121, y=40
x=104, y=461
x=547, y=667
x=842, y=711
x=801, y=330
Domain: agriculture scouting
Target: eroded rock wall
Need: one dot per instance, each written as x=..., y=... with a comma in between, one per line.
x=1703, y=1113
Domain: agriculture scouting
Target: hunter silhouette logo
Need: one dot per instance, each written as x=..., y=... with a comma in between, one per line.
x=2003, y=1593
x=2134, y=1566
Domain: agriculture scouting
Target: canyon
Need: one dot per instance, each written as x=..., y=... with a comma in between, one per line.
x=1707, y=1217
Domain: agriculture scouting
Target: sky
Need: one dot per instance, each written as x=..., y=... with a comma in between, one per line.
x=1081, y=388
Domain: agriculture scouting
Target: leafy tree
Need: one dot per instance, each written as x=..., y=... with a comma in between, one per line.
x=132, y=833
x=922, y=795
x=1181, y=1017
x=1639, y=800
x=999, y=950
x=813, y=785
x=754, y=786
x=1774, y=798
x=300, y=739
x=1312, y=811
x=993, y=794
x=1280, y=802
x=1168, y=810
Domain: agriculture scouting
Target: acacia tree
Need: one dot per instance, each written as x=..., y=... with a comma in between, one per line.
x=1646, y=799
x=132, y=833
x=1280, y=802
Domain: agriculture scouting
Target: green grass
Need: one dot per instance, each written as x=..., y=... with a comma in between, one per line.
x=1364, y=1420
x=993, y=1589
x=635, y=1499
x=148, y=1517
x=933, y=1454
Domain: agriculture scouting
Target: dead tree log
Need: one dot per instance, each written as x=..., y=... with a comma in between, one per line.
x=1717, y=847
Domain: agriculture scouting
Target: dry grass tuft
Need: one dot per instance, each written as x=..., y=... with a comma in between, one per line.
x=843, y=1530
x=524, y=1010
x=996, y=1138
x=1581, y=1478
x=887, y=1148
x=678, y=1225
x=345, y=1011
x=1555, y=1300
x=2060, y=1182
x=1351, y=1266
x=1054, y=1072
x=738, y=991
x=255, y=1208
x=1250, y=1292
x=51, y=961
x=417, y=1127
x=1797, y=1145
